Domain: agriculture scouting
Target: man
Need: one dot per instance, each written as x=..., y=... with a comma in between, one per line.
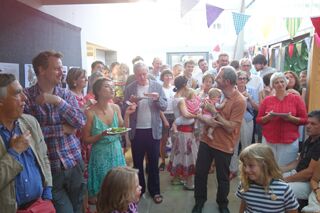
x=299, y=172
x=146, y=126
x=303, y=78
x=25, y=176
x=156, y=71
x=59, y=115
x=224, y=138
x=255, y=82
x=188, y=70
x=260, y=64
x=96, y=66
x=203, y=65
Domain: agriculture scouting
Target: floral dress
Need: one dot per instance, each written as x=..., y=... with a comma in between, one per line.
x=184, y=150
x=105, y=154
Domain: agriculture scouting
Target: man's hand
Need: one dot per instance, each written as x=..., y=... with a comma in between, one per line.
x=46, y=98
x=68, y=130
x=153, y=95
x=20, y=143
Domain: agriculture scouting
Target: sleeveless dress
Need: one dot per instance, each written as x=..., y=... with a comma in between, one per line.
x=184, y=150
x=105, y=154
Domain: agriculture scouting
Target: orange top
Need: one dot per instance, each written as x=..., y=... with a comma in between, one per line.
x=233, y=110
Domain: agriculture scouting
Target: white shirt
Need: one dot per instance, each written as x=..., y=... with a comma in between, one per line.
x=143, y=113
x=169, y=93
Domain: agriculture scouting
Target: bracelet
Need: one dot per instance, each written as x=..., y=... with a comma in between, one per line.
x=316, y=189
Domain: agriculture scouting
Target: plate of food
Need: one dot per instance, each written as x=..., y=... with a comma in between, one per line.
x=117, y=130
x=279, y=113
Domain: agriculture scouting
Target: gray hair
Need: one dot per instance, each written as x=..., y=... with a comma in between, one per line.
x=138, y=66
x=277, y=75
x=229, y=73
x=243, y=60
x=5, y=80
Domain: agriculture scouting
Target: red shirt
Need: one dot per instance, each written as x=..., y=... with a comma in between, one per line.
x=278, y=130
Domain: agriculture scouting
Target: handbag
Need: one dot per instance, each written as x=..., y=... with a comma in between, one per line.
x=39, y=206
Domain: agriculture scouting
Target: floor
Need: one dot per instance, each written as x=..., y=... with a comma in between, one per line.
x=176, y=199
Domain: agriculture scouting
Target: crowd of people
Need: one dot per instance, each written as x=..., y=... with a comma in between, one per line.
x=57, y=152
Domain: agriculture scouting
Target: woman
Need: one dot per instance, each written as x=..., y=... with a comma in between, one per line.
x=166, y=77
x=280, y=115
x=294, y=83
x=106, y=152
x=246, y=130
x=77, y=80
x=184, y=148
x=207, y=82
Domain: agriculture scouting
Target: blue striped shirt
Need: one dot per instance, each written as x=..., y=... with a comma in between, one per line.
x=280, y=198
x=63, y=150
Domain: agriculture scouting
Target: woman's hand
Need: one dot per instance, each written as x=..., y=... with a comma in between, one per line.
x=318, y=195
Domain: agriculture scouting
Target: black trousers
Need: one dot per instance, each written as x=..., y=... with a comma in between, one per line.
x=222, y=161
x=143, y=143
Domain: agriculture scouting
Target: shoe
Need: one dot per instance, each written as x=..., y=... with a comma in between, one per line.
x=158, y=199
x=197, y=208
x=224, y=210
x=188, y=188
x=162, y=167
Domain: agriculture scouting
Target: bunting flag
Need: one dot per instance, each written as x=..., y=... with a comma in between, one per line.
x=307, y=41
x=187, y=5
x=316, y=23
x=291, y=50
x=239, y=21
x=213, y=13
x=267, y=26
x=216, y=48
x=298, y=47
x=293, y=25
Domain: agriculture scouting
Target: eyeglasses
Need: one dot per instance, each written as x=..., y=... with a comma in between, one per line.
x=246, y=65
x=242, y=79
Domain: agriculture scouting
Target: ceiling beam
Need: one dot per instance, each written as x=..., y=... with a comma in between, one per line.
x=62, y=2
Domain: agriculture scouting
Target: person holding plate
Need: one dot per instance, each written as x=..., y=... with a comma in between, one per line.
x=106, y=152
x=280, y=116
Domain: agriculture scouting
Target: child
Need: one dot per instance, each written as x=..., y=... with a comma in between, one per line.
x=213, y=99
x=261, y=188
x=314, y=198
x=120, y=191
x=193, y=106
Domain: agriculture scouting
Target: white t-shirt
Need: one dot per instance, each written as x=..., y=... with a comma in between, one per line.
x=255, y=83
x=143, y=113
x=169, y=93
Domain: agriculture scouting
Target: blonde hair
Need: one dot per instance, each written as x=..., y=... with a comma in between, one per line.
x=214, y=92
x=117, y=190
x=190, y=93
x=264, y=156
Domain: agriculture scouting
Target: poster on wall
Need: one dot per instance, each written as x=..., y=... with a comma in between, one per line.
x=30, y=77
x=10, y=68
x=64, y=76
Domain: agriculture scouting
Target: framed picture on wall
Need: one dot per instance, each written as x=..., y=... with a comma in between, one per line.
x=30, y=77
x=181, y=57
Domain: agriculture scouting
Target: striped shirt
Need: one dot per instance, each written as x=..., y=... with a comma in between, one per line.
x=63, y=150
x=280, y=198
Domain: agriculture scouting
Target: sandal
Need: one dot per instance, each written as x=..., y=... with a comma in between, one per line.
x=158, y=199
x=162, y=167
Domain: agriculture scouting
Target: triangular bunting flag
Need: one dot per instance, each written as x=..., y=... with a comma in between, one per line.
x=307, y=41
x=239, y=21
x=213, y=13
x=187, y=5
x=293, y=25
x=216, y=48
x=316, y=23
x=298, y=47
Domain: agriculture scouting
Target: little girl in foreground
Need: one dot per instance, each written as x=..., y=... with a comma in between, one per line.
x=120, y=191
x=261, y=188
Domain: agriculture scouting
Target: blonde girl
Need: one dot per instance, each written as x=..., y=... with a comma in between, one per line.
x=261, y=188
x=120, y=191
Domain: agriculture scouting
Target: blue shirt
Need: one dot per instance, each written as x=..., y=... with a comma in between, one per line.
x=28, y=183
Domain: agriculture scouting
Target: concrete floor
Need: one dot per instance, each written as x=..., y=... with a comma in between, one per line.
x=176, y=199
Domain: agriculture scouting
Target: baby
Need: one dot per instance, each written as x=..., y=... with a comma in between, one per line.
x=193, y=103
x=213, y=103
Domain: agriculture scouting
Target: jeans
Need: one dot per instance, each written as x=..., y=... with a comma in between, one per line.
x=222, y=161
x=68, y=188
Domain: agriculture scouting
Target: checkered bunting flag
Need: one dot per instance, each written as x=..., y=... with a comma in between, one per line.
x=239, y=21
